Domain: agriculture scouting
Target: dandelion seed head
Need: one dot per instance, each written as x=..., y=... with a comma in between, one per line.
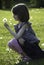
x=4, y=20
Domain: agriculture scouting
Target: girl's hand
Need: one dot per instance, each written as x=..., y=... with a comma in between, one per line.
x=21, y=40
x=6, y=25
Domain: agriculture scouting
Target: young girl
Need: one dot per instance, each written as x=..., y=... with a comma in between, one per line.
x=25, y=41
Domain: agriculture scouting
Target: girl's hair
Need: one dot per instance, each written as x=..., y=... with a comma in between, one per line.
x=22, y=12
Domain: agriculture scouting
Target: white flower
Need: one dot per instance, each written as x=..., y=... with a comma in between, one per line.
x=17, y=62
x=4, y=20
x=14, y=24
x=0, y=37
x=27, y=63
x=42, y=44
x=8, y=49
x=31, y=17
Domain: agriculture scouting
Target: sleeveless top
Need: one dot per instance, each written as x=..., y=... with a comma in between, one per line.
x=30, y=46
x=29, y=34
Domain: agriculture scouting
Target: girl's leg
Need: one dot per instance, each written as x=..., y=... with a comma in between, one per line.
x=13, y=44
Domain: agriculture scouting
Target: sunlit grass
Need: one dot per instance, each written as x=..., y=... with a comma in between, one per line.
x=9, y=57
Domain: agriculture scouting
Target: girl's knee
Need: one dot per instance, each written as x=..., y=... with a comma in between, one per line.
x=9, y=44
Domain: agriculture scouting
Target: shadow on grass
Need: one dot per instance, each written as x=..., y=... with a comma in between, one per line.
x=32, y=62
x=5, y=9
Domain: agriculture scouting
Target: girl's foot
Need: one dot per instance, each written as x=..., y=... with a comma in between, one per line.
x=25, y=59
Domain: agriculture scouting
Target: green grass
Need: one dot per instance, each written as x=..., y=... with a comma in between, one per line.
x=10, y=57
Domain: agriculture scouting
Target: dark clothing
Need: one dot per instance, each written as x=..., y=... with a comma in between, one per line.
x=30, y=46
x=29, y=34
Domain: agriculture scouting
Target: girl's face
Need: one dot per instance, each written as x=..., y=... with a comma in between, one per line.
x=15, y=17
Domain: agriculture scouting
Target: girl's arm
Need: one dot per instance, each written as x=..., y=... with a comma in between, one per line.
x=21, y=31
x=9, y=29
x=16, y=35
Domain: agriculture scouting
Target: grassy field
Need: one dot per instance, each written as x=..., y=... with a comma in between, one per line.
x=9, y=57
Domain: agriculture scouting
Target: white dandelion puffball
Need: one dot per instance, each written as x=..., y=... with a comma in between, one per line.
x=5, y=20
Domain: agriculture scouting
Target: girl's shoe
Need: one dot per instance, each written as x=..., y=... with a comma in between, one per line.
x=25, y=59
